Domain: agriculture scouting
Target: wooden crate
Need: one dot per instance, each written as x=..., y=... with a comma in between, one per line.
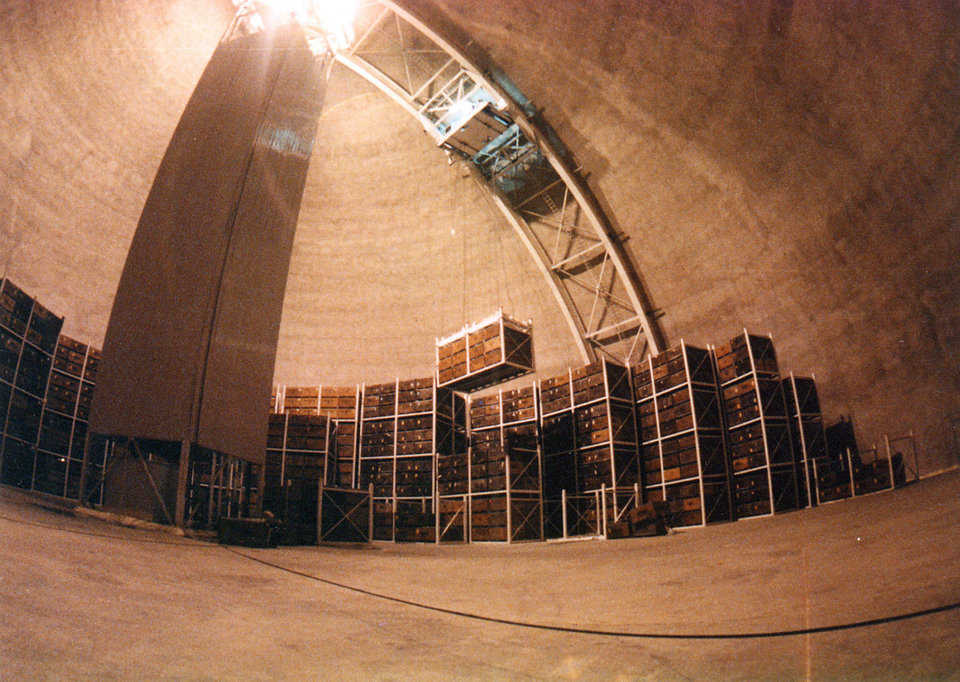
x=491, y=351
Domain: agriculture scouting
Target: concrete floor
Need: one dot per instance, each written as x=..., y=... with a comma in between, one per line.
x=83, y=599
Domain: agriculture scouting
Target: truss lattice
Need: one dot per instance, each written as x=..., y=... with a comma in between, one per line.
x=486, y=122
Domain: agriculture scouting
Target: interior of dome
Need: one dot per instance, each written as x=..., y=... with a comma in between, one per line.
x=778, y=170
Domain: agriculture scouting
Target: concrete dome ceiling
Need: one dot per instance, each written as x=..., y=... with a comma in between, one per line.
x=791, y=167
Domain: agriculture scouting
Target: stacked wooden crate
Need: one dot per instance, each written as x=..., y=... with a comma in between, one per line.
x=493, y=350
x=559, y=449
x=301, y=399
x=417, y=429
x=295, y=462
x=28, y=340
x=590, y=442
x=405, y=427
x=66, y=411
x=682, y=450
x=505, y=490
x=377, y=441
x=822, y=478
x=606, y=437
x=341, y=404
x=762, y=456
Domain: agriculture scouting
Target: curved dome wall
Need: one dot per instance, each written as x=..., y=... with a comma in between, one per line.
x=90, y=94
x=792, y=167
x=395, y=247
x=786, y=166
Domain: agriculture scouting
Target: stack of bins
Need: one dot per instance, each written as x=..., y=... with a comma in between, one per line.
x=406, y=427
x=822, y=479
x=301, y=399
x=340, y=404
x=294, y=465
x=491, y=351
x=376, y=454
x=418, y=429
x=605, y=435
x=682, y=445
x=559, y=449
x=63, y=427
x=762, y=457
x=28, y=339
x=505, y=490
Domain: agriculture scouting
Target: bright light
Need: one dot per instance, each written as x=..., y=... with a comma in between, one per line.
x=333, y=18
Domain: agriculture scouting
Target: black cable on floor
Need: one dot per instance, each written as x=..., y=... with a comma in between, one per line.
x=506, y=621
x=603, y=633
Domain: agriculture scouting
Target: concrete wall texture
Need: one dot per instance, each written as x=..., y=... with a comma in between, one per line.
x=788, y=166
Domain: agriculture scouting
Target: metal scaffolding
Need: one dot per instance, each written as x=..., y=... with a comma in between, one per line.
x=473, y=112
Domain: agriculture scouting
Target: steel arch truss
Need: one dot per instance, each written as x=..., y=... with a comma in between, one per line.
x=479, y=117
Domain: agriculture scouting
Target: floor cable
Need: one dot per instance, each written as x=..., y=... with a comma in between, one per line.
x=507, y=621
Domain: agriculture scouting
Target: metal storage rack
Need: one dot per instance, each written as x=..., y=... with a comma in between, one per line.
x=341, y=404
x=761, y=450
x=491, y=351
x=822, y=478
x=590, y=448
x=682, y=446
x=404, y=427
x=28, y=340
x=63, y=424
x=298, y=446
x=504, y=467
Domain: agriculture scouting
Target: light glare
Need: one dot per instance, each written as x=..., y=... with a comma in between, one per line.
x=334, y=18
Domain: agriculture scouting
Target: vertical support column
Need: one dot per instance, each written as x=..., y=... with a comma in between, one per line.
x=237, y=162
x=603, y=505
x=180, y=512
x=370, y=520
x=886, y=445
x=320, y=510
x=563, y=511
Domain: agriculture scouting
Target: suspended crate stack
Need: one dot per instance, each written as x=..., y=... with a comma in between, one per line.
x=505, y=492
x=405, y=426
x=762, y=457
x=28, y=339
x=488, y=352
x=682, y=445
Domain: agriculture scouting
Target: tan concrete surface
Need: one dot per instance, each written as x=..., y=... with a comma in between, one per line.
x=83, y=600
